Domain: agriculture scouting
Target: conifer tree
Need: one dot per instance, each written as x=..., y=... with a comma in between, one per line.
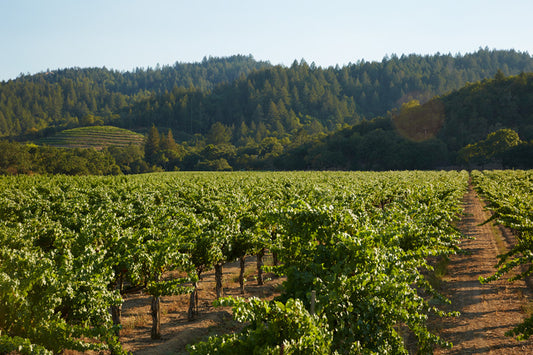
x=167, y=142
x=152, y=145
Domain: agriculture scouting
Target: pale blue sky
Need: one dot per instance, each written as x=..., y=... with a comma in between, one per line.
x=37, y=35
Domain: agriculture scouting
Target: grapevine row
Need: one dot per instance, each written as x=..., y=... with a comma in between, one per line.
x=71, y=247
x=509, y=195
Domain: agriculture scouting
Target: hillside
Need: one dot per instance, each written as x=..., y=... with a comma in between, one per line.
x=279, y=101
x=423, y=113
x=433, y=134
x=97, y=137
x=190, y=97
x=41, y=104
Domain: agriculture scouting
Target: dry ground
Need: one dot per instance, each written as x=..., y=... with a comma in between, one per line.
x=176, y=330
x=487, y=310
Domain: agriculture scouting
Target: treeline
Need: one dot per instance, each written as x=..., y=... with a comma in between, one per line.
x=299, y=117
x=489, y=122
x=270, y=101
x=277, y=118
x=486, y=123
x=46, y=102
x=279, y=101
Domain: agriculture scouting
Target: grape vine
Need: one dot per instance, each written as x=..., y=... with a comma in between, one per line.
x=71, y=247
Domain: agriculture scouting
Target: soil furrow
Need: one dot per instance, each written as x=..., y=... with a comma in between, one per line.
x=487, y=310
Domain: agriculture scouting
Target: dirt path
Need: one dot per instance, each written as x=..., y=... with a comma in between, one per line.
x=487, y=311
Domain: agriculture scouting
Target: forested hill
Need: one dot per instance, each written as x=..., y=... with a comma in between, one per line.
x=68, y=98
x=278, y=101
x=488, y=122
x=204, y=75
x=408, y=112
x=253, y=99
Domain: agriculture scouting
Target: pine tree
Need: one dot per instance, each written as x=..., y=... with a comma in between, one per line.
x=167, y=142
x=152, y=145
x=4, y=130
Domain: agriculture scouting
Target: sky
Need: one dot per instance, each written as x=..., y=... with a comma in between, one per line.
x=39, y=35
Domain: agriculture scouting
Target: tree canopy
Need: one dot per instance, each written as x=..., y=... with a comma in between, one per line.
x=408, y=112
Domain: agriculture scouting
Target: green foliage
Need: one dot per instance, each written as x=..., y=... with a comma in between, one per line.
x=509, y=195
x=271, y=328
x=55, y=297
x=363, y=257
x=420, y=123
x=282, y=102
x=494, y=147
x=519, y=156
x=235, y=113
x=151, y=146
x=169, y=288
x=219, y=134
x=20, y=158
x=475, y=124
x=21, y=346
x=360, y=240
x=45, y=102
x=365, y=265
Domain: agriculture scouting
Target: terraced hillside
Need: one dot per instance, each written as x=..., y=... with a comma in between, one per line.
x=97, y=137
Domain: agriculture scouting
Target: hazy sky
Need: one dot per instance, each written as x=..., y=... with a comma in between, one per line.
x=37, y=35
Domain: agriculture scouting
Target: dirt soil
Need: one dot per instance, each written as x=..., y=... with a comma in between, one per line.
x=176, y=330
x=487, y=310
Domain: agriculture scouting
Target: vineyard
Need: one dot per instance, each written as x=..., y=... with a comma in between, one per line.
x=96, y=137
x=510, y=198
x=356, y=250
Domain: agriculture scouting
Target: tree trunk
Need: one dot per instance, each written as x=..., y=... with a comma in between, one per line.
x=121, y=282
x=260, y=280
x=156, y=317
x=241, y=275
x=275, y=260
x=273, y=237
x=218, y=279
x=196, y=296
x=193, y=302
x=116, y=312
